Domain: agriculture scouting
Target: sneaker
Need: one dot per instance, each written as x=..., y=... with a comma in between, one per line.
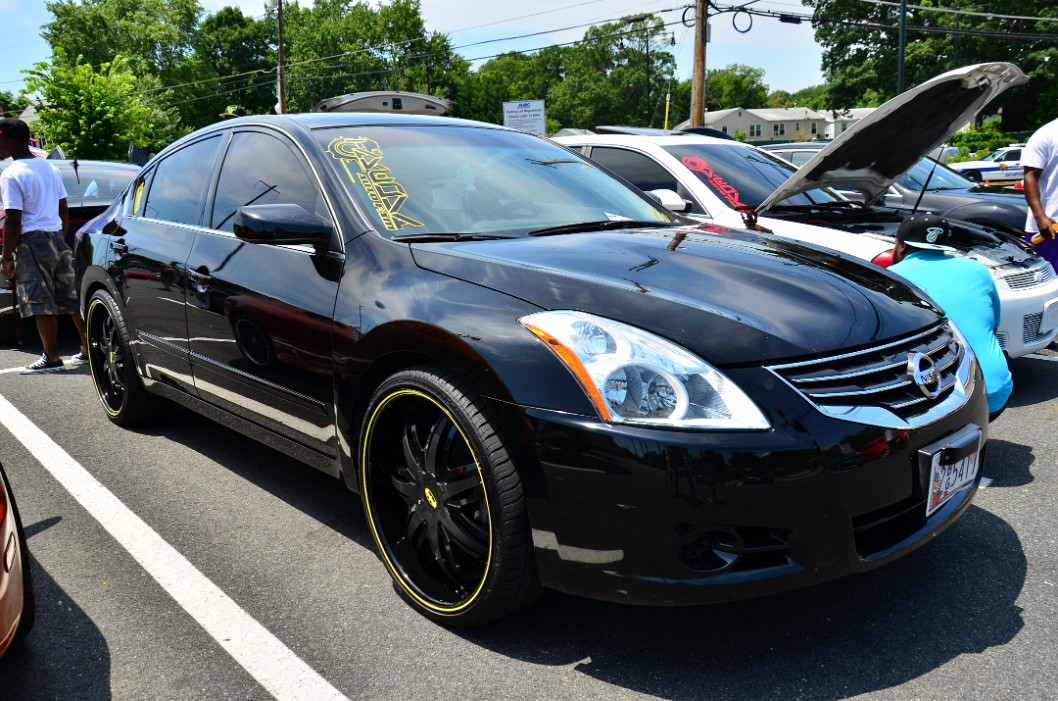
x=78, y=358
x=44, y=365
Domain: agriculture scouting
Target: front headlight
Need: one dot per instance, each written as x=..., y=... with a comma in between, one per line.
x=635, y=377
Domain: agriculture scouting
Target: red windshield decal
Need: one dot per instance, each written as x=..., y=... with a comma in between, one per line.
x=724, y=189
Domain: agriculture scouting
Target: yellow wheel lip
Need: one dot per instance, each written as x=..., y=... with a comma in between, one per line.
x=92, y=305
x=404, y=583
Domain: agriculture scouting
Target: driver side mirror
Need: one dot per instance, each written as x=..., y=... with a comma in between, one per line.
x=281, y=224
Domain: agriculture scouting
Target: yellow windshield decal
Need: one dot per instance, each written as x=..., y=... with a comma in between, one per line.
x=387, y=195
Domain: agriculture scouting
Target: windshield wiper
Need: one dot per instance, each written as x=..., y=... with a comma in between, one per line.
x=438, y=237
x=554, y=161
x=606, y=225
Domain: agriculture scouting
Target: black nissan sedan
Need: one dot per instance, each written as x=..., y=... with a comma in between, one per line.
x=533, y=376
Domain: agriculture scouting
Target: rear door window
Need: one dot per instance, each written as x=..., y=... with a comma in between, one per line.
x=178, y=189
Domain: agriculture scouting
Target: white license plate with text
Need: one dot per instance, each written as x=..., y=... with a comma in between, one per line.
x=947, y=480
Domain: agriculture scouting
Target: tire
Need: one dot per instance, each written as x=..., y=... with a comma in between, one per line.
x=29, y=597
x=113, y=366
x=973, y=176
x=443, y=500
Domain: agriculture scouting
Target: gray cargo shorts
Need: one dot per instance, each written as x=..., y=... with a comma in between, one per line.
x=44, y=275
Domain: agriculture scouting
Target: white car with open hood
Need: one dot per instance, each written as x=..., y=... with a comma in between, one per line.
x=729, y=183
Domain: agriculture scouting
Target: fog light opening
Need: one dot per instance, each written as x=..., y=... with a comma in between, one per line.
x=712, y=552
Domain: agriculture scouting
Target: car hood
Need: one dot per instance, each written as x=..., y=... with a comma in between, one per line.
x=881, y=147
x=731, y=296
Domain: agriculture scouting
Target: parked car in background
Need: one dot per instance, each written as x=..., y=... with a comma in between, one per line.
x=726, y=181
x=932, y=187
x=1002, y=165
x=90, y=188
x=534, y=376
x=944, y=153
x=17, y=599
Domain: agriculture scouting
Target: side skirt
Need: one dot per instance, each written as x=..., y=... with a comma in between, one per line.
x=320, y=461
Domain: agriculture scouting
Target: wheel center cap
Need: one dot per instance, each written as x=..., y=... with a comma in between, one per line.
x=430, y=498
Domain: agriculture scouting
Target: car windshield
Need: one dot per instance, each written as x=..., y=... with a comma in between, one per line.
x=942, y=178
x=466, y=181
x=96, y=181
x=741, y=176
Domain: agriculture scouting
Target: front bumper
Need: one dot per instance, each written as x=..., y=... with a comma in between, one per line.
x=1022, y=311
x=675, y=517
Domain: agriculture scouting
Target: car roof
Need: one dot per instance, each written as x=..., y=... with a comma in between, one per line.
x=303, y=122
x=626, y=139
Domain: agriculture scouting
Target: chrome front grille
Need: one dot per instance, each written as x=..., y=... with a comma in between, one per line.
x=879, y=386
x=1027, y=279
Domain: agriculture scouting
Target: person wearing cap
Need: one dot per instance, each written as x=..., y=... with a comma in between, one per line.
x=34, y=245
x=963, y=288
x=232, y=111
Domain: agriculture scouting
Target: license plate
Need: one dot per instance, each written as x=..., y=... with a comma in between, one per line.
x=947, y=480
x=1050, y=316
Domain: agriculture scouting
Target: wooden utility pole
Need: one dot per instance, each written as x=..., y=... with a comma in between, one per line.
x=281, y=68
x=701, y=34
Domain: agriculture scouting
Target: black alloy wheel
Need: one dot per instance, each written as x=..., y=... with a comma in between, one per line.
x=444, y=501
x=110, y=359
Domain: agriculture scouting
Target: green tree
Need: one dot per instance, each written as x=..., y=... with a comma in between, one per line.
x=233, y=62
x=12, y=104
x=96, y=113
x=860, y=49
x=814, y=97
x=154, y=37
x=618, y=74
x=736, y=86
x=340, y=46
x=508, y=78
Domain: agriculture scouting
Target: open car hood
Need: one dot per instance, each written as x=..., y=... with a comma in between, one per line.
x=881, y=147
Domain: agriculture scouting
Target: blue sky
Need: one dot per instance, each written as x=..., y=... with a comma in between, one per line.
x=787, y=53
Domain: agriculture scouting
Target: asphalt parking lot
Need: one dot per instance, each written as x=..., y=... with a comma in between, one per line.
x=972, y=615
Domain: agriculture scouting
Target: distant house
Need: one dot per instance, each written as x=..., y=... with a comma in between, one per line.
x=783, y=123
x=29, y=116
x=838, y=122
x=771, y=124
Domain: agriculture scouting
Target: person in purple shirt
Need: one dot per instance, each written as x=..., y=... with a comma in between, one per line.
x=964, y=289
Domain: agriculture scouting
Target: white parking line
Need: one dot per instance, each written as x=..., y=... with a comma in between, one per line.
x=269, y=661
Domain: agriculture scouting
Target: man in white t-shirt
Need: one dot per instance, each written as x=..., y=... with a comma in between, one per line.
x=34, y=246
x=1040, y=160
